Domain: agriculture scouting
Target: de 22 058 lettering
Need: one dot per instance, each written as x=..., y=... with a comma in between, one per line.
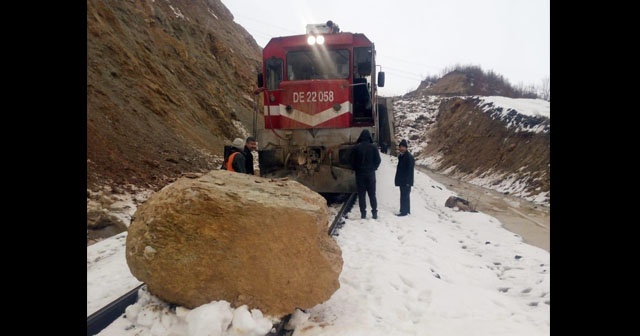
x=312, y=96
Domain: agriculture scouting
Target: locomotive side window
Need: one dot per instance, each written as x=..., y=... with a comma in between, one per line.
x=274, y=73
x=362, y=70
x=362, y=62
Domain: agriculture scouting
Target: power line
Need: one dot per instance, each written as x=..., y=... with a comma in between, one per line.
x=406, y=73
x=412, y=63
x=287, y=30
x=415, y=77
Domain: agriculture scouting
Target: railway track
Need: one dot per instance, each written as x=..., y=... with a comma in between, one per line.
x=109, y=313
x=102, y=318
x=338, y=221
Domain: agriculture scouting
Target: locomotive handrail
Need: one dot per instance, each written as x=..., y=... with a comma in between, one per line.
x=269, y=114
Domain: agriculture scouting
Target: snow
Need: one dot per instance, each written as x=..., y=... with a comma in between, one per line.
x=438, y=271
x=524, y=114
x=531, y=107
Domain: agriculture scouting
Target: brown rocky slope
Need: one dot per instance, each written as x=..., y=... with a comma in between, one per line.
x=168, y=82
x=473, y=143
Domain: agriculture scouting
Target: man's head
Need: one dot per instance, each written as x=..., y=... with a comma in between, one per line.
x=365, y=135
x=251, y=143
x=238, y=143
x=402, y=147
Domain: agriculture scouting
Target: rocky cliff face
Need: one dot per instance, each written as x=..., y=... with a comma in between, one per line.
x=167, y=83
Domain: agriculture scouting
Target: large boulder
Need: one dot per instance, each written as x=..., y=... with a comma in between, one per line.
x=244, y=239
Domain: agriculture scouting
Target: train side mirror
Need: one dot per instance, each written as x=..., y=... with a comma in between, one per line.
x=381, y=79
x=260, y=80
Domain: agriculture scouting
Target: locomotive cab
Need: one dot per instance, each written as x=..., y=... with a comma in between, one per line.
x=320, y=92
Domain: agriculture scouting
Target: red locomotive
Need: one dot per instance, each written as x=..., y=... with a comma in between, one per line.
x=320, y=92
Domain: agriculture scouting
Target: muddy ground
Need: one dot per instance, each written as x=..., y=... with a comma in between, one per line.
x=527, y=219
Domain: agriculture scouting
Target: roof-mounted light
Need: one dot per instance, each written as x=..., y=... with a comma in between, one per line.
x=311, y=39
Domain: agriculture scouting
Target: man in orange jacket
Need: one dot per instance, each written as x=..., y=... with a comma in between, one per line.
x=236, y=160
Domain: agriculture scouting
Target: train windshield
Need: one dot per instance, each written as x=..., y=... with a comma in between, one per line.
x=318, y=64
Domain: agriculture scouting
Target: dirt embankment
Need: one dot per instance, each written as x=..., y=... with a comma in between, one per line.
x=473, y=143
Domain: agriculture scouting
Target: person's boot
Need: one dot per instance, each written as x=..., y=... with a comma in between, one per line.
x=363, y=214
x=374, y=214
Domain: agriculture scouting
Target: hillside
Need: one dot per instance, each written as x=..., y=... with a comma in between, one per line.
x=167, y=83
x=476, y=127
x=495, y=142
x=471, y=81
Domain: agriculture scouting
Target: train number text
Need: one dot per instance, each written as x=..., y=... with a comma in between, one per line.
x=312, y=96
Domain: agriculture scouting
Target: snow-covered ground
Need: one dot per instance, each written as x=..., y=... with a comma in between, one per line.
x=438, y=271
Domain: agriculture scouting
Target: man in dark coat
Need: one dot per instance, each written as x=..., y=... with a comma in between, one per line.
x=404, y=177
x=365, y=160
x=384, y=147
x=249, y=147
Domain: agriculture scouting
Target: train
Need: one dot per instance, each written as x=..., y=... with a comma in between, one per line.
x=319, y=91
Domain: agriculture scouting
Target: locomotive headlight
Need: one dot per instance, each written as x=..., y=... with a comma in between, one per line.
x=311, y=40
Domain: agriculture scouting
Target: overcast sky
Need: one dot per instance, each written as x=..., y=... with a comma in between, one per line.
x=419, y=38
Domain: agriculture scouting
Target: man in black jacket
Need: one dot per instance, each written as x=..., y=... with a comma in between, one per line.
x=249, y=147
x=404, y=177
x=365, y=160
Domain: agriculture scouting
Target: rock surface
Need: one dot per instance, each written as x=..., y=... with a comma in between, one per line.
x=460, y=203
x=235, y=237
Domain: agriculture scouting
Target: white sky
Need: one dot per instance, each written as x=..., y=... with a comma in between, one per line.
x=438, y=271
x=419, y=38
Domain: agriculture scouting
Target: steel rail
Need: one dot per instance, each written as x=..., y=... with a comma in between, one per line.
x=338, y=221
x=109, y=313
